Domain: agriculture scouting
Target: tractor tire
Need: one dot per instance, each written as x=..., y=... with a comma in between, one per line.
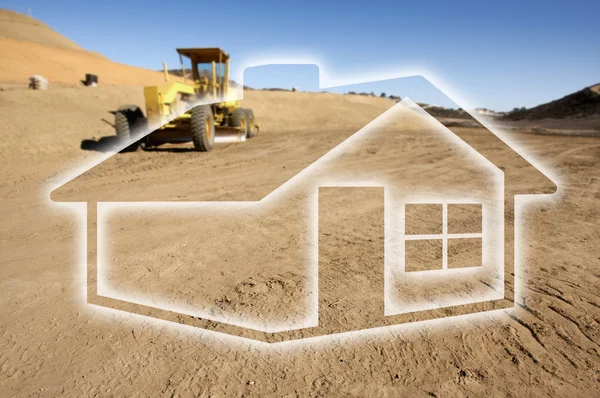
x=128, y=121
x=239, y=118
x=252, y=127
x=202, y=125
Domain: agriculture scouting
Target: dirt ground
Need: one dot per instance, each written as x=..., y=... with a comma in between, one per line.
x=53, y=343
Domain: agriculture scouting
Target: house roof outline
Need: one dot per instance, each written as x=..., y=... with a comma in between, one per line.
x=549, y=188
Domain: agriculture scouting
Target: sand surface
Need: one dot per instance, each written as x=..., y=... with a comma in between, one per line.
x=253, y=265
x=53, y=343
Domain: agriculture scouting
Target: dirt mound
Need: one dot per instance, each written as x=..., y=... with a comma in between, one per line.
x=583, y=103
x=20, y=59
x=29, y=47
x=24, y=28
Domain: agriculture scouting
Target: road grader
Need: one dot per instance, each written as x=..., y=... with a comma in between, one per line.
x=178, y=112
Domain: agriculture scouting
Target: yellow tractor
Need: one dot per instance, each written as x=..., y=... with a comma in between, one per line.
x=180, y=112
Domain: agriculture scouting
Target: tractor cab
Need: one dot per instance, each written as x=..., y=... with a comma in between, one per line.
x=210, y=70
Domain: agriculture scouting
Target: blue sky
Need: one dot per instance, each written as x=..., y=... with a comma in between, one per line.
x=496, y=54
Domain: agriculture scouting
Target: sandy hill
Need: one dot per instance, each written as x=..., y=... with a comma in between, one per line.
x=582, y=103
x=29, y=47
x=24, y=28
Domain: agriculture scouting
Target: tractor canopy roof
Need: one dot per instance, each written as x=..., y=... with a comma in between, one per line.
x=204, y=55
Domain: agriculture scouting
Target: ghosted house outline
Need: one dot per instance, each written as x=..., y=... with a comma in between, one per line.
x=507, y=301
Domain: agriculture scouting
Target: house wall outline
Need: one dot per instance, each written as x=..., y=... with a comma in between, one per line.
x=273, y=194
x=288, y=187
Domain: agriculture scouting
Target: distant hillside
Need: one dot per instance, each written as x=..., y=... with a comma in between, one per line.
x=583, y=103
x=488, y=112
x=434, y=110
x=439, y=111
x=22, y=27
x=178, y=72
x=29, y=47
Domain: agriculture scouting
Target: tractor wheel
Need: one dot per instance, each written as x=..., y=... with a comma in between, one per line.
x=202, y=125
x=239, y=118
x=129, y=120
x=252, y=127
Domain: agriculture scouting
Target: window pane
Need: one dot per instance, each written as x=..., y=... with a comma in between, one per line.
x=423, y=219
x=464, y=218
x=423, y=255
x=463, y=253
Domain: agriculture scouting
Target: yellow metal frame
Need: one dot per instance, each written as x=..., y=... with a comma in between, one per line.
x=161, y=100
x=165, y=102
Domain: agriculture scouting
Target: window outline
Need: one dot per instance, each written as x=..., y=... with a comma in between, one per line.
x=444, y=236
